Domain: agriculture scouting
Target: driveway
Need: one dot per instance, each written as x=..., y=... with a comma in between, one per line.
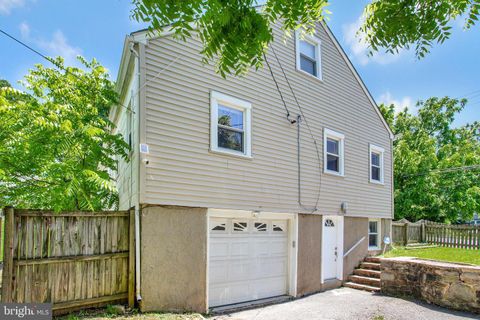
x=351, y=304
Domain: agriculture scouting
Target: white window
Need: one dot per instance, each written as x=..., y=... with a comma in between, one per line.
x=376, y=164
x=230, y=125
x=374, y=234
x=240, y=226
x=308, y=54
x=333, y=150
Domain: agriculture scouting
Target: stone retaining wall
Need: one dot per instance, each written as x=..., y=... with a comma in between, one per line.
x=455, y=286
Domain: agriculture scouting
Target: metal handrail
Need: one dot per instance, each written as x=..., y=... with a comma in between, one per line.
x=354, y=246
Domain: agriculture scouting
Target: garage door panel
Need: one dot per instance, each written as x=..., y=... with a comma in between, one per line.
x=239, y=271
x=278, y=246
x=219, y=249
x=261, y=248
x=248, y=264
x=239, y=291
x=218, y=272
x=272, y=268
x=239, y=248
x=269, y=287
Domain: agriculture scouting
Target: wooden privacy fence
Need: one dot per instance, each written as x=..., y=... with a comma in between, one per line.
x=455, y=236
x=407, y=232
x=73, y=260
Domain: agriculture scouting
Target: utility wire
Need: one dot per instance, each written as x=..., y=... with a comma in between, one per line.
x=157, y=75
x=294, y=96
x=52, y=61
x=298, y=129
x=445, y=170
x=278, y=89
x=475, y=92
x=28, y=47
x=308, y=127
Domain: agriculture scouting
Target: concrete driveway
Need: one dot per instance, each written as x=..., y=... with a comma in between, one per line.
x=351, y=304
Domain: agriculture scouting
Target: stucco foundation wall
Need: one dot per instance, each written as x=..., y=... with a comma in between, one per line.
x=354, y=230
x=386, y=231
x=173, y=259
x=445, y=284
x=309, y=260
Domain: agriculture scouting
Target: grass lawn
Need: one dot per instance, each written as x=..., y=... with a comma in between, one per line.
x=439, y=253
x=107, y=313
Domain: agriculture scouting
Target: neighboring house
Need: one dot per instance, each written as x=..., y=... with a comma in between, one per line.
x=476, y=219
x=225, y=211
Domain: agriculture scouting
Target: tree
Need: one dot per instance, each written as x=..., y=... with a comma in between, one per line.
x=4, y=83
x=56, y=146
x=436, y=166
x=395, y=25
x=237, y=34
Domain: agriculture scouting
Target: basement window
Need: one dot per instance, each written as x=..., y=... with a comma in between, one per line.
x=373, y=234
x=230, y=120
x=308, y=54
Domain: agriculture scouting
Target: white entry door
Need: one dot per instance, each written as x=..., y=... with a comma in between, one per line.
x=248, y=260
x=332, y=247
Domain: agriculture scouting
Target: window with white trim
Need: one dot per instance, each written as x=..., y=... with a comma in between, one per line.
x=333, y=150
x=230, y=125
x=279, y=226
x=373, y=234
x=376, y=164
x=260, y=226
x=308, y=54
x=240, y=226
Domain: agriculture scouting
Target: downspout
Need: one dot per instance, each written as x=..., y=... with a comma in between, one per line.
x=392, y=188
x=137, y=206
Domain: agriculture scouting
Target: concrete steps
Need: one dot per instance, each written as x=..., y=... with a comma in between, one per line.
x=370, y=265
x=367, y=273
x=361, y=287
x=372, y=259
x=373, y=282
x=367, y=276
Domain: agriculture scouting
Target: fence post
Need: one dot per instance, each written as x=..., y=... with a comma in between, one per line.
x=8, y=255
x=131, y=259
x=405, y=233
x=422, y=230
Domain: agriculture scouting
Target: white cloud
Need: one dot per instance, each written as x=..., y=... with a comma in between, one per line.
x=359, y=48
x=6, y=6
x=387, y=99
x=24, y=30
x=56, y=46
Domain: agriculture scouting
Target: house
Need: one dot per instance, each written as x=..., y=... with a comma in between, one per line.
x=235, y=200
x=476, y=219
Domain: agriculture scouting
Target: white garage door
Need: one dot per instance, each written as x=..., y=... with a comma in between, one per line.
x=248, y=260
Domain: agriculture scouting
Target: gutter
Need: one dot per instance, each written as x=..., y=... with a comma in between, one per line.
x=137, y=207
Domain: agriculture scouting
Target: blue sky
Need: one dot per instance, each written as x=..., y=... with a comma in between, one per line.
x=96, y=29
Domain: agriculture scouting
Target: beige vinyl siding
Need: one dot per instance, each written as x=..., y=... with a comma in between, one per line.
x=127, y=175
x=182, y=171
